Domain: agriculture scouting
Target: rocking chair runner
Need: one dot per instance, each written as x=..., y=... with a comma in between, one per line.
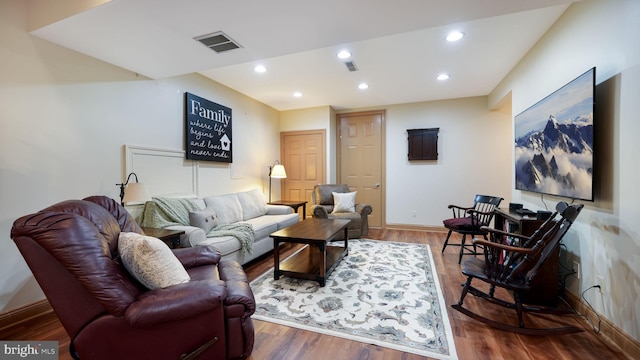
x=469, y=221
x=514, y=268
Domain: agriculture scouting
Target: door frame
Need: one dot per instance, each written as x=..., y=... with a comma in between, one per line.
x=383, y=150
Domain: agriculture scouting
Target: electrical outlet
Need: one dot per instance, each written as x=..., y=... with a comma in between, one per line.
x=576, y=269
x=414, y=214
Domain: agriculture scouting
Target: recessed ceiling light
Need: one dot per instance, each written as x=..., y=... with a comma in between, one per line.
x=443, y=77
x=363, y=86
x=344, y=54
x=297, y=94
x=260, y=69
x=455, y=36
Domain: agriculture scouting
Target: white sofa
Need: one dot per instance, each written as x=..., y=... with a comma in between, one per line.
x=243, y=207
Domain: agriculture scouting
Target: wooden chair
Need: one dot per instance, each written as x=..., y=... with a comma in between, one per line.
x=469, y=221
x=514, y=268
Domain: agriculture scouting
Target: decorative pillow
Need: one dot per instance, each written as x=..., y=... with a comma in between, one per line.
x=204, y=219
x=324, y=193
x=344, y=202
x=150, y=261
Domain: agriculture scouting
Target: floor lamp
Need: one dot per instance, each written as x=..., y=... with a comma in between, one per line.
x=276, y=171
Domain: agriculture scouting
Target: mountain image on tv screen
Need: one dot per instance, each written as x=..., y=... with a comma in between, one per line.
x=554, y=142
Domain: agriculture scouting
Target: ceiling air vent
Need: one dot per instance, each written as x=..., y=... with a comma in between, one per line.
x=351, y=66
x=218, y=42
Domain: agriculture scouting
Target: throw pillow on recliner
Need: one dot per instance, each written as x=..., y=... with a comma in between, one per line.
x=344, y=202
x=150, y=261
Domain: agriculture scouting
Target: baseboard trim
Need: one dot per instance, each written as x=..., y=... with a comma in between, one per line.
x=439, y=229
x=629, y=345
x=24, y=313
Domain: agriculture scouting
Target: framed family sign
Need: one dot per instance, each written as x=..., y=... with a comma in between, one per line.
x=208, y=130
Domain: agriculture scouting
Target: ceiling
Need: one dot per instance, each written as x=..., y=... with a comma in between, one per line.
x=398, y=46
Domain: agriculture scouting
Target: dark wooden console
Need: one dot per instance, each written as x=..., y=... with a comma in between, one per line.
x=545, y=289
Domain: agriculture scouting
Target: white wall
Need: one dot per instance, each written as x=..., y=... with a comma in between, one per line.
x=474, y=155
x=606, y=237
x=474, y=148
x=64, y=118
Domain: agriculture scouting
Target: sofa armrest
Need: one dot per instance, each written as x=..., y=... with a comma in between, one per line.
x=197, y=256
x=192, y=235
x=278, y=209
x=175, y=303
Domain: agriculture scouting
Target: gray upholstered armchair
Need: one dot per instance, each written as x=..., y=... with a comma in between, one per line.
x=323, y=206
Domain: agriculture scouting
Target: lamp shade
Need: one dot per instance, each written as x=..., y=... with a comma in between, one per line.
x=278, y=172
x=136, y=192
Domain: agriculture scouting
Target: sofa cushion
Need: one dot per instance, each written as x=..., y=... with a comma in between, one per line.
x=150, y=261
x=253, y=204
x=227, y=207
x=263, y=226
x=204, y=219
x=344, y=202
x=287, y=220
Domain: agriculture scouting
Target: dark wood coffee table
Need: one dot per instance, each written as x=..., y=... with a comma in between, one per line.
x=315, y=261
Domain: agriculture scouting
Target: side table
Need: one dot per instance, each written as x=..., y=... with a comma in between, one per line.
x=171, y=237
x=294, y=204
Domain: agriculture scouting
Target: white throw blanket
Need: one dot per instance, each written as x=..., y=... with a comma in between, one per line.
x=163, y=212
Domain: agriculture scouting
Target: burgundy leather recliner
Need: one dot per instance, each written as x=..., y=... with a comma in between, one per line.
x=72, y=250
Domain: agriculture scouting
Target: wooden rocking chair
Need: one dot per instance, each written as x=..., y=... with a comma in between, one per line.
x=514, y=268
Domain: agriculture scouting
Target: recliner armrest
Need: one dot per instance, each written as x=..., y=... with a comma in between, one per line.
x=364, y=209
x=176, y=302
x=321, y=211
x=238, y=289
x=197, y=256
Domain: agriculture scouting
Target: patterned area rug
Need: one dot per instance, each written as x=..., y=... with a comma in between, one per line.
x=382, y=293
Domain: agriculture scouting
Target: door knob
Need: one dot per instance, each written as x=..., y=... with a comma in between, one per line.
x=377, y=185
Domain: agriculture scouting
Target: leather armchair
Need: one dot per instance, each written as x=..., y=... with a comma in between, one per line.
x=72, y=250
x=322, y=207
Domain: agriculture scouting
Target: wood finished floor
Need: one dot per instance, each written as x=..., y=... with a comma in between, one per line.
x=473, y=340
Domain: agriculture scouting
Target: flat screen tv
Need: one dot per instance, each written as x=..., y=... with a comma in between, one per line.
x=554, y=142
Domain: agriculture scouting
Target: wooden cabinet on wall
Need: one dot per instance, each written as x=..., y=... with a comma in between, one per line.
x=423, y=144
